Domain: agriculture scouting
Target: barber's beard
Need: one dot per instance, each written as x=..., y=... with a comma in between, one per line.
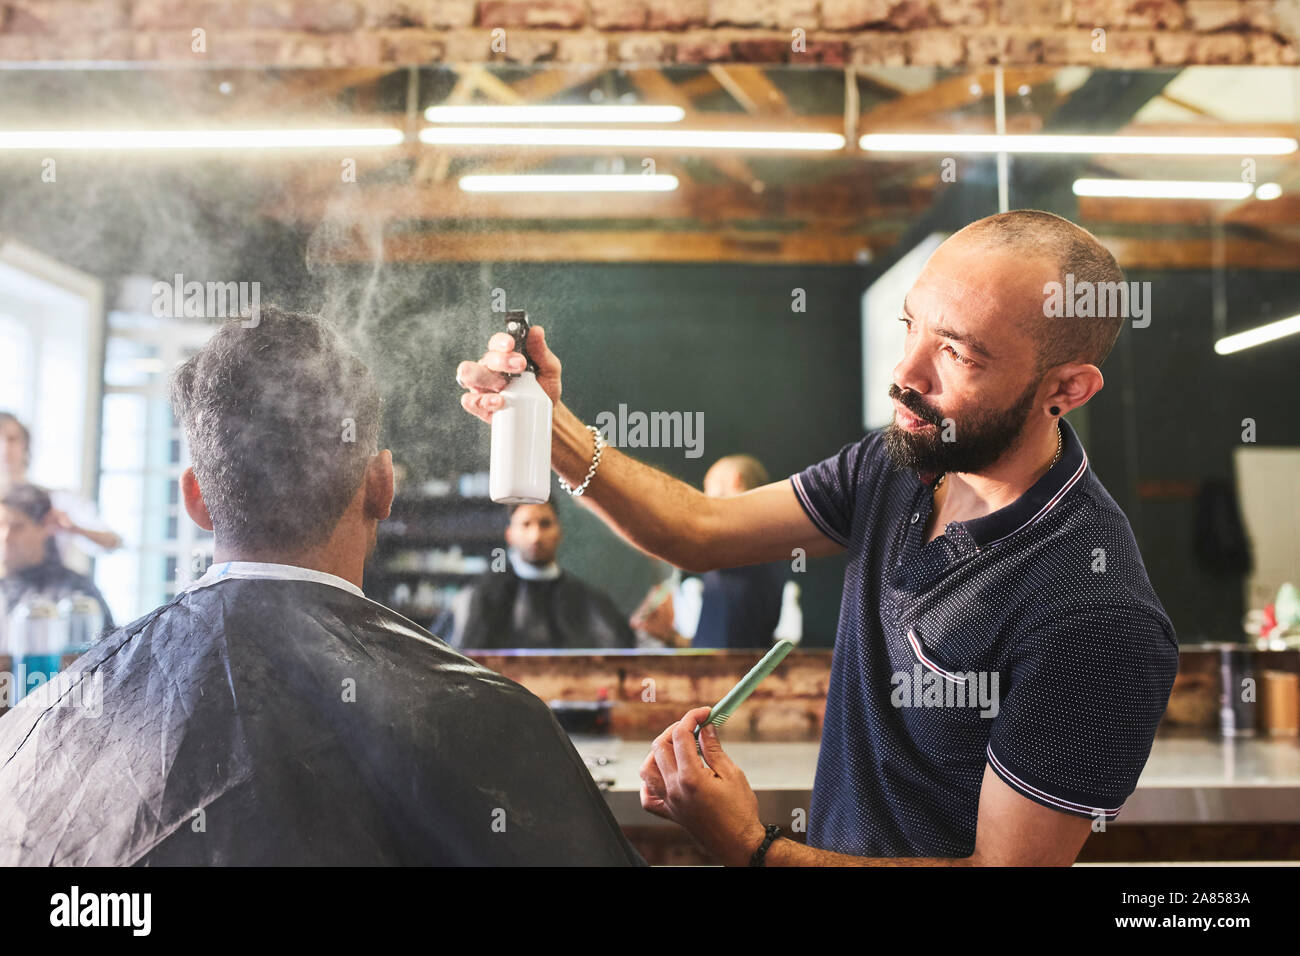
x=978, y=440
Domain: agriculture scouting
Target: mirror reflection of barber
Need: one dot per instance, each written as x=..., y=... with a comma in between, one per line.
x=727, y=607
x=79, y=532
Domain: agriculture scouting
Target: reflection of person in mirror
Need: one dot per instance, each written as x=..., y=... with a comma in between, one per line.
x=531, y=602
x=973, y=529
x=738, y=607
x=30, y=565
x=79, y=531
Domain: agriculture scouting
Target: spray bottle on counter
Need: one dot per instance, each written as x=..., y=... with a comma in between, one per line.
x=521, y=431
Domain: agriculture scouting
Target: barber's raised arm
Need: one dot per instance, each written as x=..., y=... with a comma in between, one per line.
x=655, y=512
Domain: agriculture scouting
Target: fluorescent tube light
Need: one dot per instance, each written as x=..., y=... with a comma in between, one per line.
x=196, y=138
x=555, y=114
x=1252, y=337
x=631, y=138
x=566, y=183
x=1161, y=189
x=1049, y=143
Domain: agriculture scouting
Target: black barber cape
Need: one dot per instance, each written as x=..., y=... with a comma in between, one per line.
x=503, y=610
x=259, y=722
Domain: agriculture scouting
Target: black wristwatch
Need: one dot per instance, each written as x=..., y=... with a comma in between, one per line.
x=760, y=855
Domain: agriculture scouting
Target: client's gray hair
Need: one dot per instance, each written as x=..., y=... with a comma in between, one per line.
x=281, y=419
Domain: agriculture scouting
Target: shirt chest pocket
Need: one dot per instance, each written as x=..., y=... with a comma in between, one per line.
x=948, y=658
x=945, y=700
x=959, y=666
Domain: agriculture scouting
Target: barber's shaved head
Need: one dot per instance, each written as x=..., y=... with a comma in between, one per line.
x=985, y=360
x=1072, y=250
x=733, y=475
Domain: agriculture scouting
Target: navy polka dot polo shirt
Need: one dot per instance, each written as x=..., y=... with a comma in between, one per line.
x=1029, y=639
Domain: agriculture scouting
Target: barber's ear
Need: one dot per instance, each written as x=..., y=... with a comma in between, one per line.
x=380, y=487
x=1076, y=385
x=195, y=506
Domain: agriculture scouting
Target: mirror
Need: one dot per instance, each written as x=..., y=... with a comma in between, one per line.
x=736, y=296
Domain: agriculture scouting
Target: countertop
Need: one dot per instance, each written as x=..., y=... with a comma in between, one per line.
x=1186, y=779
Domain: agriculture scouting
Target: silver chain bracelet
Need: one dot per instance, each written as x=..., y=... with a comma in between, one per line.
x=595, y=460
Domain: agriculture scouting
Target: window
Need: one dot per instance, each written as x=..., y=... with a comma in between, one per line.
x=143, y=455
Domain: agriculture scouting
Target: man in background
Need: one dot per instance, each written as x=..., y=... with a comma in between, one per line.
x=32, y=566
x=270, y=714
x=79, y=532
x=739, y=607
x=531, y=602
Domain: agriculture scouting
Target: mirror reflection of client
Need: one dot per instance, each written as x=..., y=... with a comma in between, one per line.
x=987, y=566
x=31, y=566
x=531, y=602
x=270, y=713
x=739, y=607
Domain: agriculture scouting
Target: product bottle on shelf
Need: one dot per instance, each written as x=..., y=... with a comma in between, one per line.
x=789, y=626
x=36, y=640
x=85, y=622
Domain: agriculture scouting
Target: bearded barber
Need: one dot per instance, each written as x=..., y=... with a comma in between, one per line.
x=982, y=551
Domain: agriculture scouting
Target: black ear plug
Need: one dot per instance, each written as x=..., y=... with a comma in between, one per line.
x=1056, y=409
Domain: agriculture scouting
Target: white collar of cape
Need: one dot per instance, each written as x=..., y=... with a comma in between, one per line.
x=531, y=572
x=257, y=570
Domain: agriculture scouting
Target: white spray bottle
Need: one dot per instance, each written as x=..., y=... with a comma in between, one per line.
x=521, y=431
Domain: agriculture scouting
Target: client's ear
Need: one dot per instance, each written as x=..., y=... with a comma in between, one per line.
x=379, y=486
x=195, y=506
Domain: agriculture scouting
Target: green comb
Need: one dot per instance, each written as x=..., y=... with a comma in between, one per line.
x=724, y=708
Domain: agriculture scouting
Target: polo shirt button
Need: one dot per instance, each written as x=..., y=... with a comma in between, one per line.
x=916, y=515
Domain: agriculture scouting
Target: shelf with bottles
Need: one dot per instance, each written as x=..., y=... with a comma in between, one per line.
x=443, y=519
x=42, y=634
x=422, y=603
x=436, y=561
x=471, y=487
x=416, y=574
x=399, y=533
x=459, y=492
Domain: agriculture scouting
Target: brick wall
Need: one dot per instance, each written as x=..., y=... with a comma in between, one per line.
x=362, y=33
x=791, y=703
x=650, y=691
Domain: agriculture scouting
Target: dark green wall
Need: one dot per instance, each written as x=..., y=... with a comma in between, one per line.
x=1172, y=409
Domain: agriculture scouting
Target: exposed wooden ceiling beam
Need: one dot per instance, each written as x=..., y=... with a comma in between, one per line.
x=840, y=204
x=755, y=247
x=660, y=90
x=547, y=84
x=1142, y=253
x=702, y=84
x=492, y=85
x=916, y=110
x=608, y=246
x=752, y=88
x=1283, y=211
x=537, y=88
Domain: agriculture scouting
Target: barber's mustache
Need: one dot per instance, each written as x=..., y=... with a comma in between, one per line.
x=912, y=402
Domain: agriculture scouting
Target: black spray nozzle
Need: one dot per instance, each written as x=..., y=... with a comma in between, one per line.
x=517, y=326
